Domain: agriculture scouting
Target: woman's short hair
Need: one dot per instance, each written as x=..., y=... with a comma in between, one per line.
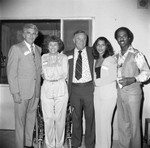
x=127, y=30
x=30, y=26
x=54, y=38
x=109, y=49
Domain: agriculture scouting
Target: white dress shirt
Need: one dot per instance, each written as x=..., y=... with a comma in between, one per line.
x=86, y=74
x=29, y=46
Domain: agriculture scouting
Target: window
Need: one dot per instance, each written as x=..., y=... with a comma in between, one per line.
x=11, y=33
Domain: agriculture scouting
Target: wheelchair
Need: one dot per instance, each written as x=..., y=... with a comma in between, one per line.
x=68, y=126
x=39, y=136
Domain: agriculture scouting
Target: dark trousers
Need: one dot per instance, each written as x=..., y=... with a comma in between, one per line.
x=82, y=101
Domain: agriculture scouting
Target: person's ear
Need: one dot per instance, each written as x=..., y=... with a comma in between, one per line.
x=23, y=35
x=37, y=35
x=73, y=40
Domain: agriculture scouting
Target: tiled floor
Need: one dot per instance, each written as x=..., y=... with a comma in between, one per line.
x=7, y=139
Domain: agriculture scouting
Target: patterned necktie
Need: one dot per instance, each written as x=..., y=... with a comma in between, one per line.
x=78, y=70
x=32, y=51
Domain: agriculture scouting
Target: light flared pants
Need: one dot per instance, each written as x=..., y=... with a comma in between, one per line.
x=129, y=125
x=104, y=101
x=54, y=113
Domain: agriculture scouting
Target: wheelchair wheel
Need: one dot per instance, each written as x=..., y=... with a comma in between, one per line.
x=40, y=144
x=39, y=129
x=68, y=126
x=69, y=142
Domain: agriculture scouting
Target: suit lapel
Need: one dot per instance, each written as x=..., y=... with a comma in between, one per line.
x=25, y=48
x=28, y=54
x=37, y=56
x=71, y=64
x=89, y=58
x=36, y=53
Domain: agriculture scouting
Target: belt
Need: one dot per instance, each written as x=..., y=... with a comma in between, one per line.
x=52, y=80
x=82, y=84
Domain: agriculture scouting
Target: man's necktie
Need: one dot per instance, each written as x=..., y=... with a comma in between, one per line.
x=78, y=70
x=32, y=51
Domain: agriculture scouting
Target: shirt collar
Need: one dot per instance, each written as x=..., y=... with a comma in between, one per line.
x=83, y=50
x=29, y=46
x=130, y=49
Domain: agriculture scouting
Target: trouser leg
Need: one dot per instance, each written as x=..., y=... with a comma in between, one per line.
x=124, y=134
x=82, y=100
x=135, y=123
x=30, y=120
x=20, y=119
x=104, y=110
x=60, y=118
x=88, y=108
x=49, y=121
x=76, y=122
x=128, y=110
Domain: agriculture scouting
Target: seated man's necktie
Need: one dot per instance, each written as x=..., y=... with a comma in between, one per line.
x=78, y=69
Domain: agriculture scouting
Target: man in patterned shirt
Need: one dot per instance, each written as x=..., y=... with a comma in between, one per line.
x=132, y=71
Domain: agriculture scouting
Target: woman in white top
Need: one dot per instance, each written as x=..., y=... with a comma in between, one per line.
x=54, y=92
x=105, y=93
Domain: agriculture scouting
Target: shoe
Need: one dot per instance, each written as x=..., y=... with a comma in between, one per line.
x=29, y=146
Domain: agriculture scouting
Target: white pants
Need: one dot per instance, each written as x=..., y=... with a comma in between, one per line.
x=54, y=113
x=104, y=101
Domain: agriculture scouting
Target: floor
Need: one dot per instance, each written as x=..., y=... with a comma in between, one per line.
x=7, y=139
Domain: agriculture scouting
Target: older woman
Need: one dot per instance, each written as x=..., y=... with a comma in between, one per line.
x=54, y=93
x=105, y=93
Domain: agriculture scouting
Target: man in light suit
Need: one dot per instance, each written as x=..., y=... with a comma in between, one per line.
x=81, y=91
x=23, y=71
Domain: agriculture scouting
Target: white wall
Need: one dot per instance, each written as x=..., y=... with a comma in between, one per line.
x=108, y=16
x=6, y=108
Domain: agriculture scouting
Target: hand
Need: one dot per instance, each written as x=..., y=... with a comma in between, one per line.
x=17, y=98
x=125, y=81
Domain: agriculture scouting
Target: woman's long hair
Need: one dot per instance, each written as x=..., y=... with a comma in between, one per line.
x=109, y=49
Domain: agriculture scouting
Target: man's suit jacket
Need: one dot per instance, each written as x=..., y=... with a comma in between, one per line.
x=70, y=55
x=23, y=71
